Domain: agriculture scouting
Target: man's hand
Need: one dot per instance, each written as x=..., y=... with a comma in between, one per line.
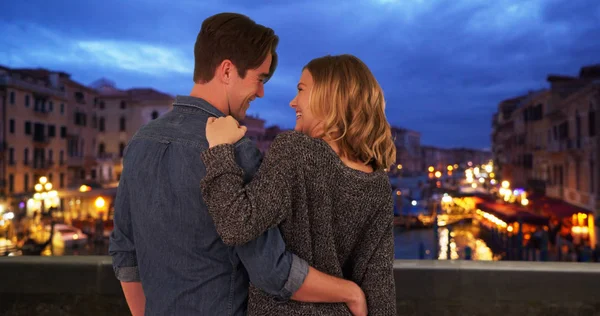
x=358, y=304
x=223, y=130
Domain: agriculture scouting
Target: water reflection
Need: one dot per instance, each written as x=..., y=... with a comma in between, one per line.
x=459, y=241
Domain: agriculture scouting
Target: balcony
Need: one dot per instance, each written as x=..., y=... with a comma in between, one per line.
x=582, y=144
x=42, y=164
x=81, y=162
x=560, y=145
x=86, y=285
x=556, y=112
x=41, y=111
x=109, y=157
x=41, y=140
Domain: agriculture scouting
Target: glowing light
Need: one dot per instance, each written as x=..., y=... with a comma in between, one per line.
x=8, y=216
x=580, y=229
x=438, y=174
x=39, y=187
x=414, y=203
x=493, y=181
x=505, y=184
x=430, y=169
x=99, y=202
x=450, y=168
x=481, y=180
x=43, y=180
x=509, y=228
x=474, y=185
x=399, y=167
x=84, y=188
x=524, y=202
x=48, y=186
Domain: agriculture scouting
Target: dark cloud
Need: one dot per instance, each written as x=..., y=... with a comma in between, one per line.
x=444, y=65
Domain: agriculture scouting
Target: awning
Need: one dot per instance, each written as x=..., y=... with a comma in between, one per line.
x=553, y=207
x=511, y=213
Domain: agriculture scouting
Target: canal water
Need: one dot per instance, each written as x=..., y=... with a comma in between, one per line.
x=451, y=245
x=452, y=241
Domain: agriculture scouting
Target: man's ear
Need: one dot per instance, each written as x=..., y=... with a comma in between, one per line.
x=225, y=71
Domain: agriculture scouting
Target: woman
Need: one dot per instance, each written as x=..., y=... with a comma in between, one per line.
x=324, y=184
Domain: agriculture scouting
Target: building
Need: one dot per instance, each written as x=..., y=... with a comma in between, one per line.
x=255, y=127
x=571, y=155
x=503, y=137
x=120, y=114
x=70, y=133
x=546, y=141
x=81, y=132
x=34, y=123
x=441, y=158
x=438, y=158
x=269, y=136
x=408, y=149
x=3, y=143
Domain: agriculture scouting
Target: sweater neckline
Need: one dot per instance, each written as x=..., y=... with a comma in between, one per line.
x=345, y=168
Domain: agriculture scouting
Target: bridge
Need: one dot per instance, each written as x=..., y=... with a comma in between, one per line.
x=427, y=221
x=85, y=285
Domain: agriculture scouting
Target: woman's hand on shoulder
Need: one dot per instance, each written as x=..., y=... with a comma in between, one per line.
x=223, y=130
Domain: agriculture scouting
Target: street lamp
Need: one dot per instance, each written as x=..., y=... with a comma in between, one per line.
x=6, y=223
x=44, y=191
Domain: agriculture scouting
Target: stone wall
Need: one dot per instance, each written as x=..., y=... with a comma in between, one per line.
x=85, y=285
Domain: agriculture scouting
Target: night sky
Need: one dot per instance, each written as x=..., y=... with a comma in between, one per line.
x=443, y=64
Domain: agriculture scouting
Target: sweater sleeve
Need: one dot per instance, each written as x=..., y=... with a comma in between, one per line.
x=243, y=212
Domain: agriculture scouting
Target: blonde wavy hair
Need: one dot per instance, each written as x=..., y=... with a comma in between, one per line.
x=350, y=102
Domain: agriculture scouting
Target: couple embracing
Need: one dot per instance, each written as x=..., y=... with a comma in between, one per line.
x=205, y=226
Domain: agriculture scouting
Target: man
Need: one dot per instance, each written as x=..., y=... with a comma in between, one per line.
x=164, y=239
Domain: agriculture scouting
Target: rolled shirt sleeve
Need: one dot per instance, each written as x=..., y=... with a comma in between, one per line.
x=271, y=267
x=121, y=245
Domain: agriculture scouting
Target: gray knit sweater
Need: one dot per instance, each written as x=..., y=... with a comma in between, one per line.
x=336, y=218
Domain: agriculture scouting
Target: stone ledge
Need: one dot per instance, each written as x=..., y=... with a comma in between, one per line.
x=85, y=285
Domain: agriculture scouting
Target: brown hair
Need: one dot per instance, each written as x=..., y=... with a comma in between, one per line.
x=235, y=37
x=349, y=100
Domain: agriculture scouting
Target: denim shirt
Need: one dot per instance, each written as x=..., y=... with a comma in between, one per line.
x=164, y=237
